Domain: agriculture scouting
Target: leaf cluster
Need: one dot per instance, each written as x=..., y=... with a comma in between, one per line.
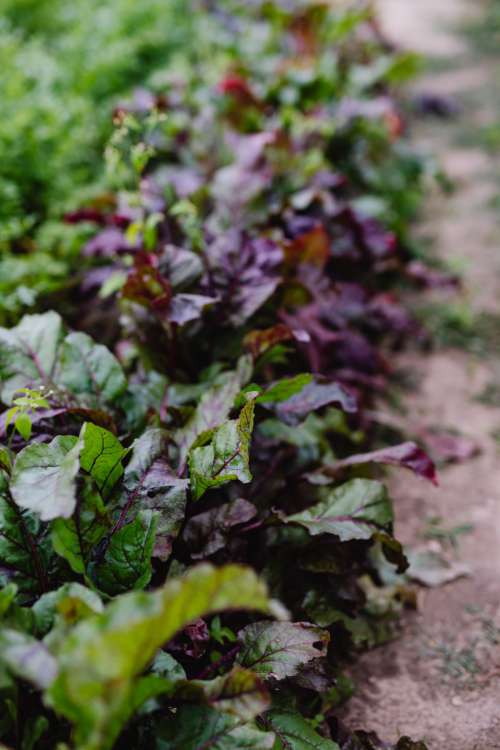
x=194, y=534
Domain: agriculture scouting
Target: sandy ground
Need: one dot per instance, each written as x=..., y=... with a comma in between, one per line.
x=441, y=680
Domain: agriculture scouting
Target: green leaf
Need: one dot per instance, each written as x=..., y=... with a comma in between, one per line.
x=284, y=389
x=202, y=728
x=240, y=693
x=101, y=456
x=5, y=459
x=7, y=597
x=27, y=658
x=74, y=538
x=89, y=370
x=28, y=353
x=103, y=656
x=164, y=665
x=43, y=479
x=226, y=458
x=293, y=732
x=70, y=603
x=150, y=484
x=355, y=510
x=214, y=406
x=23, y=425
x=126, y=563
x=22, y=554
x=279, y=649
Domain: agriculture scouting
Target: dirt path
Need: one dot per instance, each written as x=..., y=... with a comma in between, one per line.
x=441, y=680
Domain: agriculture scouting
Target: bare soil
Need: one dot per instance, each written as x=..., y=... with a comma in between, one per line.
x=440, y=681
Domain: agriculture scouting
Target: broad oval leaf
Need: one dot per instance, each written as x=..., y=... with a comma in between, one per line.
x=28, y=353
x=23, y=552
x=293, y=732
x=150, y=484
x=279, y=649
x=101, y=457
x=126, y=563
x=355, y=510
x=226, y=458
x=27, y=658
x=214, y=407
x=89, y=370
x=102, y=657
x=74, y=538
x=311, y=397
x=43, y=478
x=203, y=728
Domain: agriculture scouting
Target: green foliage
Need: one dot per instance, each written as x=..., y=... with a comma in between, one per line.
x=229, y=277
x=98, y=681
x=355, y=510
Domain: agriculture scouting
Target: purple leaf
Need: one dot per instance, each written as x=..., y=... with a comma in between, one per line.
x=209, y=532
x=445, y=447
x=407, y=455
x=187, y=307
x=312, y=397
x=107, y=244
x=243, y=273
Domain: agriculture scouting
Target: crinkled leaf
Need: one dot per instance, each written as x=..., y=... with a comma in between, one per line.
x=101, y=456
x=27, y=658
x=203, y=728
x=355, y=510
x=208, y=532
x=293, y=732
x=104, y=654
x=279, y=649
x=28, y=353
x=150, y=484
x=89, y=370
x=227, y=456
x=126, y=563
x=43, y=478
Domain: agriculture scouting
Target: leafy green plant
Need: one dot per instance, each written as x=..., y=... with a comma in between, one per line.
x=191, y=543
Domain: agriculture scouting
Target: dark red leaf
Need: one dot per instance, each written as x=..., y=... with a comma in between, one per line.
x=407, y=455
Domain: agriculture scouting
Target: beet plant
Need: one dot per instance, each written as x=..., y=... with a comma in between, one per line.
x=195, y=537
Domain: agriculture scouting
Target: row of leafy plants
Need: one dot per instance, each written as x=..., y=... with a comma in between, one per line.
x=194, y=536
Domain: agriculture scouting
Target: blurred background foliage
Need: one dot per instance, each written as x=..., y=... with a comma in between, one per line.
x=67, y=66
